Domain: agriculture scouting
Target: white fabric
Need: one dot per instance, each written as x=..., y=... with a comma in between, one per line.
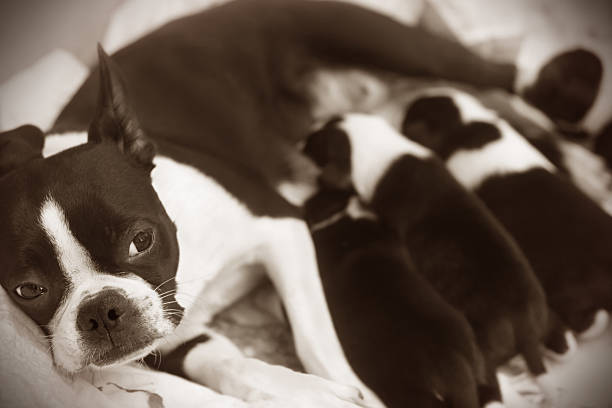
x=37, y=94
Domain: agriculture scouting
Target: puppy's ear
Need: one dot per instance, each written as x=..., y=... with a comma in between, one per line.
x=114, y=119
x=19, y=146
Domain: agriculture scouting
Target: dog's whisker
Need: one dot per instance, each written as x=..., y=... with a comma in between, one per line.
x=164, y=282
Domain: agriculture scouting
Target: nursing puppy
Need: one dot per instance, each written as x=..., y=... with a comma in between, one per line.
x=565, y=235
x=455, y=243
x=410, y=346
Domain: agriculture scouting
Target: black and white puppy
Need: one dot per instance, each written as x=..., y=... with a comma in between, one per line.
x=565, y=235
x=455, y=242
x=410, y=346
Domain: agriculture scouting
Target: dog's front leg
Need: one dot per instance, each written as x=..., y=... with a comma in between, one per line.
x=291, y=263
x=211, y=359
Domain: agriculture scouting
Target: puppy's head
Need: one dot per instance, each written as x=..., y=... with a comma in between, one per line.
x=329, y=147
x=447, y=121
x=86, y=248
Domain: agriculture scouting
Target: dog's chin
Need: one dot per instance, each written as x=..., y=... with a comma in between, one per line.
x=122, y=354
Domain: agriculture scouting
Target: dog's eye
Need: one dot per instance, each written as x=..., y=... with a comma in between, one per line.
x=141, y=242
x=30, y=290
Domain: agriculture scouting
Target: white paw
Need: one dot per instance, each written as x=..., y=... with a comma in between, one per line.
x=495, y=404
x=572, y=347
x=600, y=324
x=276, y=386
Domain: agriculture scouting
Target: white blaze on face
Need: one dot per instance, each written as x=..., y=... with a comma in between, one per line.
x=72, y=256
x=84, y=280
x=375, y=146
x=470, y=109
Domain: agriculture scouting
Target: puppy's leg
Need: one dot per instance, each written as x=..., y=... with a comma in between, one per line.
x=559, y=341
x=290, y=259
x=213, y=360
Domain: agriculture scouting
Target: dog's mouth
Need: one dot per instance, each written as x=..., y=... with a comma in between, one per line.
x=112, y=326
x=117, y=353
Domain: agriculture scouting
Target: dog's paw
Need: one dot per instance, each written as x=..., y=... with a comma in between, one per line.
x=276, y=386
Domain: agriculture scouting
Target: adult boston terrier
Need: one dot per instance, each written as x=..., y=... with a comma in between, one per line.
x=195, y=150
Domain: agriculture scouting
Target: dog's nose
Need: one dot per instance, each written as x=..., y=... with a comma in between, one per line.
x=103, y=312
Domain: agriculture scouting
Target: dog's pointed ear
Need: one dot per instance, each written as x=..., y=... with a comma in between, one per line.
x=19, y=146
x=114, y=119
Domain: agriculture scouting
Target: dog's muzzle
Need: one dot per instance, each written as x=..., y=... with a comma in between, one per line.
x=111, y=327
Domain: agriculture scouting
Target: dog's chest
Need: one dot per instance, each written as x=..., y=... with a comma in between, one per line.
x=214, y=230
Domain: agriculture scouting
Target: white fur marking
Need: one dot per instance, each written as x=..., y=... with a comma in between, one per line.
x=356, y=210
x=572, y=348
x=510, y=154
x=600, y=324
x=470, y=109
x=295, y=193
x=214, y=229
x=84, y=279
x=72, y=256
x=495, y=404
x=375, y=145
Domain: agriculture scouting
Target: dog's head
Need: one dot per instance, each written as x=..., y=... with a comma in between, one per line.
x=86, y=247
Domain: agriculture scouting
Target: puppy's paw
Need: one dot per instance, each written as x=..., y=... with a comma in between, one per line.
x=563, y=352
x=600, y=324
